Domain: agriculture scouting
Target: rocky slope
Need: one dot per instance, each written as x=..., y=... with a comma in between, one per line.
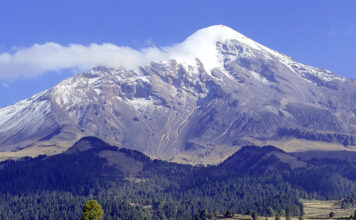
x=221, y=92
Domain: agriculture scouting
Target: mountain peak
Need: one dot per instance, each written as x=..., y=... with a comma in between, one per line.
x=218, y=33
x=88, y=143
x=202, y=44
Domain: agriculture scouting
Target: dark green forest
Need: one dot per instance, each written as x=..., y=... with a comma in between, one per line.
x=129, y=185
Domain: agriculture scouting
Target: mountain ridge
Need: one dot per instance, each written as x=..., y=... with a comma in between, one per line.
x=253, y=178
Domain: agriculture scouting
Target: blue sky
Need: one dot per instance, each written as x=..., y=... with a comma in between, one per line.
x=320, y=33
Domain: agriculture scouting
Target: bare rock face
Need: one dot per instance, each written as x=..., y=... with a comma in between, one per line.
x=199, y=109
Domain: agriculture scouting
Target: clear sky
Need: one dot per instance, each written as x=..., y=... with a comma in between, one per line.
x=320, y=33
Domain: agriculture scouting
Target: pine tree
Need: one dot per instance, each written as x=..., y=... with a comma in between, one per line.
x=92, y=210
x=331, y=214
x=254, y=215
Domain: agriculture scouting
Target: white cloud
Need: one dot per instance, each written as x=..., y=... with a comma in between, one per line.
x=5, y=85
x=42, y=58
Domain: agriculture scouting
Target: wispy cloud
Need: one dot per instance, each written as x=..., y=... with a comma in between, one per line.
x=42, y=58
x=350, y=32
x=332, y=32
x=5, y=85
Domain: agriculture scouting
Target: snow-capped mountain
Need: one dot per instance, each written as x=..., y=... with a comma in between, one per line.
x=215, y=92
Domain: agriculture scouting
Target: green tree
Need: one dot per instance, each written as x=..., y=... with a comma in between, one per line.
x=228, y=214
x=282, y=213
x=254, y=215
x=92, y=210
x=344, y=205
x=170, y=209
x=204, y=214
x=271, y=212
x=331, y=214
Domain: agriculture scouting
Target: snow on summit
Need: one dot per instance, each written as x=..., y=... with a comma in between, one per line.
x=202, y=45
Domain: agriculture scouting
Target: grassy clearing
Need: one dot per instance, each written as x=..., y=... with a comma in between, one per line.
x=313, y=209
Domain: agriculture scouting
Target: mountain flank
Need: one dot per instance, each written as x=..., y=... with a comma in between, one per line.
x=221, y=91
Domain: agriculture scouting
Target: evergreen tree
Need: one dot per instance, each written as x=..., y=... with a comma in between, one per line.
x=254, y=215
x=331, y=214
x=282, y=213
x=204, y=214
x=228, y=214
x=92, y=210
x=271, y=212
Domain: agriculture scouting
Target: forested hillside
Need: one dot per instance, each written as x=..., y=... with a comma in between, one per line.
x=130, y=185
